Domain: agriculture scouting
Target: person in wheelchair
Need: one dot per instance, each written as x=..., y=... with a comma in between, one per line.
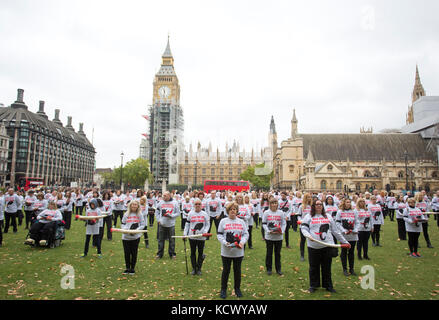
x=42, y=231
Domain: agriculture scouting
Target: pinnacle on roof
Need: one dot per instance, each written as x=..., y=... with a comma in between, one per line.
x=167, y=53
x=272, y=125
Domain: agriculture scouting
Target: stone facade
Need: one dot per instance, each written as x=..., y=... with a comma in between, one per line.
x=41, y=148
x=206, y=164
x=4, y=142
x=395, y=160
x=355, y=162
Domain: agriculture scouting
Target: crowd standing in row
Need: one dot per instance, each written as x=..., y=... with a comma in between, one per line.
x=323, y=219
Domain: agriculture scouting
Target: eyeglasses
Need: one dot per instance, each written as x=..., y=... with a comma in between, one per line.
x=319, y=204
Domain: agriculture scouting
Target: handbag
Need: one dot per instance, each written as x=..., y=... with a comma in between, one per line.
x=333, y=252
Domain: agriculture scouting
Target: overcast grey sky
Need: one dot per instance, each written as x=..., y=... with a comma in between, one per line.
x=341, y=64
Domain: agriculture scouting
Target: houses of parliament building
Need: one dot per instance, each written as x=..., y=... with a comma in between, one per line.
x=403, y=159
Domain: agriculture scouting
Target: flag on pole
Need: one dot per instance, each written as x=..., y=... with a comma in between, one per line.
x=146, y=117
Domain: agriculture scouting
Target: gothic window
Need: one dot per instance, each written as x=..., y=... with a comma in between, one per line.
x=339, y=185
x=323, y=185
x=434, y=174
x=358, y=186
x=330, y=168
x=291, y=167
x=367, y=173
x=400, y=174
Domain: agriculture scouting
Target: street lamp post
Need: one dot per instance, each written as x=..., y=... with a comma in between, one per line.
x=406, y=172
x=121, y=168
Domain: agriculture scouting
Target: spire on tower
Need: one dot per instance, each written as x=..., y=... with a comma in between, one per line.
x=272, y=125
x=167, y=53
x=418, y=89
x=294, y=125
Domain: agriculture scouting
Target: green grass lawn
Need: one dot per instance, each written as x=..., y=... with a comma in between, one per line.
x=35, y=273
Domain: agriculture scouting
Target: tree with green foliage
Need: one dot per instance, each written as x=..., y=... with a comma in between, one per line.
x=258, y=176
x=134, y=174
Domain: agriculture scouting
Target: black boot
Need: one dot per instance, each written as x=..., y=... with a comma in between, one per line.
x=200, y=263
x=146, y=244
x=238, y=292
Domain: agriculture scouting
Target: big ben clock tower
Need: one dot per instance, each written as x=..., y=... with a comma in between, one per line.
x=165, y=86
x=166, y=122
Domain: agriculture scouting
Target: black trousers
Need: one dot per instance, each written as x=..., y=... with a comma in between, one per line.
x=130, y=249
x=215, y=221
x=302, y=244
x=183, y=222
x=42, y=231
x=262, y=231
x=385, y=211
x=10, y=218
x=196, y=245
x=1, y=231
x=402, y=234
x=436, y=217
x=294, y=223
x=28, y=217
x=145, y=235
x=96, y=241
x=277, y=246
x=227, y=263
x=78, y=210
x=151, y=217
x=250, y=243
x=107, y=223
x=348, y=255
x=256, y=219
x=425, y=232
x=320, y=261
x=287, y=234
x=391, y=214
x=116, y=214
x=376, y=233
x=413, y=241
x=67, y=217
x=20, y=216
x=166, y=233
x=363, y=242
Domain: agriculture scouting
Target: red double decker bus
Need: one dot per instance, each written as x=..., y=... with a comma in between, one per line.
x=221, y=185
x=28, y=183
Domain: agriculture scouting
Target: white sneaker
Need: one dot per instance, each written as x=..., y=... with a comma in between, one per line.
x=29, y=241
x=43, y=242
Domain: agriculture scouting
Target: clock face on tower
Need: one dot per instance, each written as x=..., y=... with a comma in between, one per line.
x=164, y=91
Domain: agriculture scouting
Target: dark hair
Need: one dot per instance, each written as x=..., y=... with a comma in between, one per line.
x=327, y=198
x=313, y=208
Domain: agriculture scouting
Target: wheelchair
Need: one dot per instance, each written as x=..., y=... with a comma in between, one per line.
x=55, y=238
